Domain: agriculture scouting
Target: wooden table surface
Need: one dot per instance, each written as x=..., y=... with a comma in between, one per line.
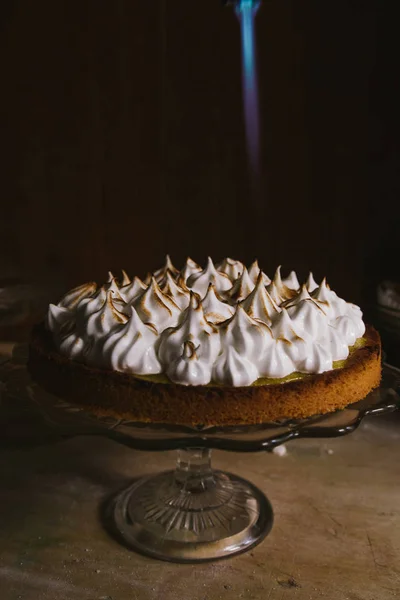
x=336, y=534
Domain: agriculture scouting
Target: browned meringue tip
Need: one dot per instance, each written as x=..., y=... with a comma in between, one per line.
x=254, y=265
x=211, y=286
x=259, y=280
x=116, y=313
x=303, y=288
x=147, y=279
x=170, y=280
x=210, y=262
x=159, y=273
x=125, y=278
x=192, y=263
x=154, y=283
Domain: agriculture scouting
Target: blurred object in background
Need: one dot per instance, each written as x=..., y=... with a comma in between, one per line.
x=388, y=295
x=388, y=319
x=22, y=304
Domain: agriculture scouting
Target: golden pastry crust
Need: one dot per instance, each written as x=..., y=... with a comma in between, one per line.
x=125, y=396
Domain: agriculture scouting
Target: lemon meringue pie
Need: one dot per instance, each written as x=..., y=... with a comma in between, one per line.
x=218, y=345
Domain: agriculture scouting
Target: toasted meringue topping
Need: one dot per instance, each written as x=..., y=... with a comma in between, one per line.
x=259, y=303
x=242, y=287
x=87, y=306
x=309, y=318
x=73, y=346
x=232, y=268
x=133, y=289
x=107, y=318
x=274, y=293
x=328, y=300
x=131, y=348
x=349, y=329
x=254, y=272
x=248, y=336
x=72, y=298
x=199, y=282
x=125, y=278
x=188, y=270
x=153, y=306
x=234, y=369
x=214, y=308
x=112, y=286
x=178, y=293
x=245, y=327
x=147, y=279
x=284, y=329
x=302, y=295
x=283, y=290
x=168, y=266
x=311, y=284
x=291, y=281
x=188, y=369
x=192, y=327
x=59, y=319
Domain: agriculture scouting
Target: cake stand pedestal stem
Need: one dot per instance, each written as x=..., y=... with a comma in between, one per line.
x=193, y=473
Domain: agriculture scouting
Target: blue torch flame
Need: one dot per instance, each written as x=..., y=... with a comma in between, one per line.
x=246, y=11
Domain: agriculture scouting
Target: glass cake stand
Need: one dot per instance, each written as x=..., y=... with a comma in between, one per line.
x=194, y=513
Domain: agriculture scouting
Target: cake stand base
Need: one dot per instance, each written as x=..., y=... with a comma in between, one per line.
x=192, y=514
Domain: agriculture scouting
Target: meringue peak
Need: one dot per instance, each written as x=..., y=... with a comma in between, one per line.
x=168, y=266
x=136, y=323
x=112, y=286
x=241, y=320
x=132, y=290
x=104, y=320
x=156, y=307
x=259, y=303
x=291, y=281
x=72, y=298
x=232, y=268
x=194, y=327
x=255, y=272
x=284, y=291
x=284, y=329
x=178, y=292
x=194, y=314
x=302, y=295
x=126, y=280
x=131, y=348
x=199, y=282
x=118, y=316
x=215, y=309
x=233, y=368
x=311, y=284
x=321, y=293
x=273, y=292
x=59, y=319
x=242, y=287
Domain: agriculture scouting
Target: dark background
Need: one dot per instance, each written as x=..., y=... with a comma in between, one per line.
x=123, y=139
